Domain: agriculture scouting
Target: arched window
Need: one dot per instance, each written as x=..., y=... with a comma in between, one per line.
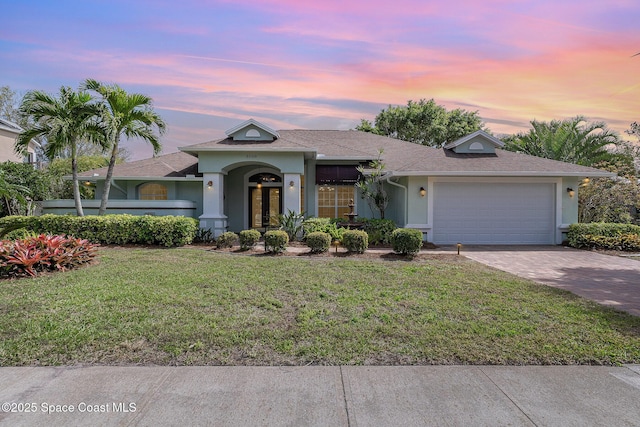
x=153, y=191
x=252, y=133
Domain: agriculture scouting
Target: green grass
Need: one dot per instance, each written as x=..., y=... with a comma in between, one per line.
x=194, y=307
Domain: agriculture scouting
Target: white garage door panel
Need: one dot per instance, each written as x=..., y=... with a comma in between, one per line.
x=493, y=213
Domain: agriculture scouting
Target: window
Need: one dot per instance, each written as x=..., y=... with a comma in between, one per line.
x=333, y=200
x=153, y=191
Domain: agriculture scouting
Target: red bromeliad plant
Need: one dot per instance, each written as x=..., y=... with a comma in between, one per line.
x=30, y=256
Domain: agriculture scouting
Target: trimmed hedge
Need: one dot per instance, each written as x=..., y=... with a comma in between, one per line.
x=318, y=242
x=249, y=239
x=355, y=241
x=113, y=229
x=275, y=241
x=324, y=225
x=378, y=230
x=600, y=235
x=226, y=240
x=406, y=241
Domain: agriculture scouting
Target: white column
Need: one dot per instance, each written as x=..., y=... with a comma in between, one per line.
x=291, y=189
x=213, y=216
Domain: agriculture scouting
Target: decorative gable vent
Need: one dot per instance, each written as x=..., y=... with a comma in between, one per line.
x=478, y=142
x=252, y=130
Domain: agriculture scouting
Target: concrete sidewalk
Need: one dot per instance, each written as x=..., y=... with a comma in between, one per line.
x=321, y=396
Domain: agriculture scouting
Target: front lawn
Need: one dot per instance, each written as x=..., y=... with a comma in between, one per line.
x=197, y=307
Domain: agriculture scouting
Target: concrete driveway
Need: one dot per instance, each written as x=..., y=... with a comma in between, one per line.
x=608, y=280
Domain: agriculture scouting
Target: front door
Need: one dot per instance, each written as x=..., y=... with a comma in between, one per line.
x=265, y=204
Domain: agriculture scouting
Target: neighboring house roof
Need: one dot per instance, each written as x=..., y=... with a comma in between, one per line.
x=169, y=166
x=14, y=128
x=9, y=126
x=401, y=158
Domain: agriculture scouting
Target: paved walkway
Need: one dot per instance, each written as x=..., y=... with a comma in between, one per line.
x=322, y=396
x=608, y=280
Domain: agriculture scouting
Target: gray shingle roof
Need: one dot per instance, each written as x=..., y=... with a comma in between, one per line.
x=400, y=157
x=172, y=165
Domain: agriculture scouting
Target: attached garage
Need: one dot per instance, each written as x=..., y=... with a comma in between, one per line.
x=494, y=213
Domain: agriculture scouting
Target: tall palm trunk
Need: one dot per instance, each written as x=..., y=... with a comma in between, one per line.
x=76, y=186
x=107, y=181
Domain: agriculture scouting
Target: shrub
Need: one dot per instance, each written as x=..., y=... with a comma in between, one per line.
x=318, y=242
x=406, y=241
x=249, y=239
x=379, y=230
x=204, y=235
x=291, y=223
x=114, y=229
x=622, y=237
x=275, y=241
x=355, y=241
x=226, y=240
x=325, y=225
x=33, y=255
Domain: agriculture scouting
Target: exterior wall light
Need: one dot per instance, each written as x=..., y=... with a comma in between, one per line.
x=291, y=184
x=423, y=192
x=210, y=184
x=571, y=192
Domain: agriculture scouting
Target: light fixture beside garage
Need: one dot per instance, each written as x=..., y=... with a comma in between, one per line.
x=571, y=192
x=423, y=192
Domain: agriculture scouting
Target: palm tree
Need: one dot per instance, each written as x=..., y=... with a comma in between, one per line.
x=64, y=122
x=125, y=114
x=12, y=194
x=572, y=140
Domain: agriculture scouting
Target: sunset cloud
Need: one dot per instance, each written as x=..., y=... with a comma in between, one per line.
x=208, y=65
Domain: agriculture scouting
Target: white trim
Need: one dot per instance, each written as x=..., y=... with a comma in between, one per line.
x=492, y=139
x=255, y=123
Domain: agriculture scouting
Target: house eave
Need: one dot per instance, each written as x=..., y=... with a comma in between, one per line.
x=137, y=178
x=502, y=173
x=238, y=148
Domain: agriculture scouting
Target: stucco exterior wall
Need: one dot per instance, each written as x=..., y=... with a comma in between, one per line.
x=7, y=142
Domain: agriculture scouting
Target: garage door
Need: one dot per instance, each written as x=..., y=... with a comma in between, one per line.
x=493, y=213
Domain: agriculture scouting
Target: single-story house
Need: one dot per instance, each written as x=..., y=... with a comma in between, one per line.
x=470, y=191
x=9, y=131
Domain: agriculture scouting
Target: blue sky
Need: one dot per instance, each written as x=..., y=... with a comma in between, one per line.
x=325, y=65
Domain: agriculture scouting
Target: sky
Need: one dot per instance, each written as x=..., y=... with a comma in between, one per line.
x=326, y=64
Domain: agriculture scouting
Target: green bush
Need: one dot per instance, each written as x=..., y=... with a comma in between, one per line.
x=275, y=241
x=226, y=240
x=249, y=239
x=355, y=241
x=291, y=223
x=599, y=235
x=114, y=229
x=406, y=241
x=324, y=225
x=318, y=242
x=379, y=230
x=204, y=235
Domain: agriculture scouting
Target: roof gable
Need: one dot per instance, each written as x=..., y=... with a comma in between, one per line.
x=478, y=142
x=252, y=130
